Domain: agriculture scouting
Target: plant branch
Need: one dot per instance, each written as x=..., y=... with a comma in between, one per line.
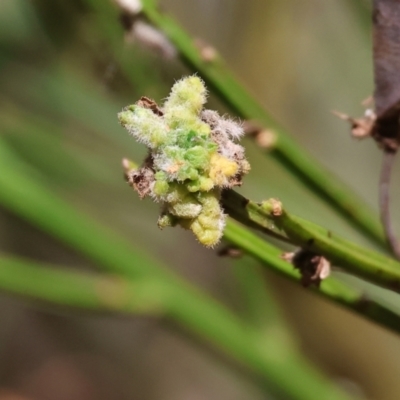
x=373, y=266
x=259, y=305
x=279, y=365
x=87, y=291
x=285, y=150
x=384, y=202
x=330, y=288
x=354, y=259
x=251, y=214
x=365, y=263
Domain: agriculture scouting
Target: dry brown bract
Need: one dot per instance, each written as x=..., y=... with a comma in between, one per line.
x=313, y=267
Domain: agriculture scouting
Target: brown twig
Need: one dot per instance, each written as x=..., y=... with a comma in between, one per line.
x=384, y=202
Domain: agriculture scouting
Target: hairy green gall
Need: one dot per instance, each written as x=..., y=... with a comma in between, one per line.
x=192, y=157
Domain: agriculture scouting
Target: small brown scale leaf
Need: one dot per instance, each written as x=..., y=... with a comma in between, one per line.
x=150, y=104
x=230, y=251
x=313, y=267
x=142, y=179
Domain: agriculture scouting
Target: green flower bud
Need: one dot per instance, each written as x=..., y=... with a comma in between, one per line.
x=144, y=125
x=177, y=192
x=180, y=117
x=185, y=209
x=198, y=157
x=189, y=92
x=160, y=188
x=187, y=172
x=202, y=184
x=192, y=157
x=166, y=220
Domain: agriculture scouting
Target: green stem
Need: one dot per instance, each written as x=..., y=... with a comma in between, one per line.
x=377, y=268
x=314, y=176
x=330, y=288
x=101, y=293
x=258, y=305
x=258, y=215
x=22, y=193
x=365, y=263
x=292, y=375
x=256, y=297
x=194, y=310
x=251, y=214
x=279, y=365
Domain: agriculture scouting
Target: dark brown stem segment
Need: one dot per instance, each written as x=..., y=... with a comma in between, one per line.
x=384, y=202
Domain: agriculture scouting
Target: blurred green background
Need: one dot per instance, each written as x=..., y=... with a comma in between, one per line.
x=66, y=69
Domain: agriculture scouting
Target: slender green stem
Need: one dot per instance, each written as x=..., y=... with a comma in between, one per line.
x=373, y=266
x=258, y=305
x=101, y=293
x=331, y=288
x=313, y=175
x=279, y=365
x=348, y=254
x=22, y=193
x=256, y=296
x=377, y=268
x=251, y=214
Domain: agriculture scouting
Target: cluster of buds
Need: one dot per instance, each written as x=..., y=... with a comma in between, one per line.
x=192, y=157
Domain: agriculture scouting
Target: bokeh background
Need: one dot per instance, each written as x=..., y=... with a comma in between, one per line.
x=66, y=69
